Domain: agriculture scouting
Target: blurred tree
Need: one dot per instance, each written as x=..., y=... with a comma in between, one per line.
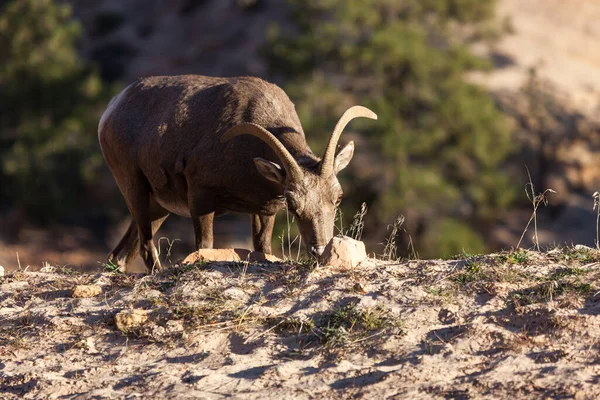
x=440, y=140
x=49, y=108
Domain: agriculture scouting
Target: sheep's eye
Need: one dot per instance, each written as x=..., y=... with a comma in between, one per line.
x=292, y=204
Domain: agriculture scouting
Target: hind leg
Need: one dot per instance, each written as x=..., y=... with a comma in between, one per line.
x=148, y=219
x=129, y=246
x=147, y=216
x=127, y=249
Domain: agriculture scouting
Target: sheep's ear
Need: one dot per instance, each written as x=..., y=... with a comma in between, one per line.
x=270, y=170
x=343, y=157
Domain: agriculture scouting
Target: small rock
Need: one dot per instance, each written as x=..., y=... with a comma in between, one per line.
x=1, y=271
x=582, y=247
x=83, y=291
x=212, y=255
x=228, y=255
x=128, y=320
x=235, y=293
x=343, y=251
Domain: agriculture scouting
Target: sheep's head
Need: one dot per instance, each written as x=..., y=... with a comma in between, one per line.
x=312, y=193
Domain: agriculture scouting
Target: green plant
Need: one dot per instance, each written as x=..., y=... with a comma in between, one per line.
x=518, y=257
x=446, y=293
x=66, y=270
x=464, y=255
x=290, y=325
x=176, y=271
x=472, y=272
x=347, y=324
x=583, y=255
x=551, y=289
x=292, y=275
x=111, y=266
x=566, y=272
x=50, y=102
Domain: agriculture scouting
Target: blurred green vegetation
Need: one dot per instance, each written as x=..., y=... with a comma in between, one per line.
x=50, y=103
x=436, y=154
x=440, y=141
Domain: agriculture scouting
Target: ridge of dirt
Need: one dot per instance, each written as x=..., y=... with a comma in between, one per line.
x=519, y=323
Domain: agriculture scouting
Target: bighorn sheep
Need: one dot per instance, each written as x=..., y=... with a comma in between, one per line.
x=167, y=141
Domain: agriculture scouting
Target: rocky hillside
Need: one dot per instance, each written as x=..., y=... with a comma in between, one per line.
x=222, y=37
x=137, y=38
x=518, y=324
x=561, y=41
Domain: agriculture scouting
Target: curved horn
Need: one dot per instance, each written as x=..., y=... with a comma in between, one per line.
x=293, y=170
x=349, y=115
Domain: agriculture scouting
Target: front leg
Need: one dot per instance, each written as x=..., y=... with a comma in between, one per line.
x=203, y=230
x=262, y=232
x=202, y=214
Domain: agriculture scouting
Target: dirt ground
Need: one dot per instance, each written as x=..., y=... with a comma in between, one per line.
x=522, y=324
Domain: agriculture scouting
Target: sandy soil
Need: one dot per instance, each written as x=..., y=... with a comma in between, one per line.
x=522, y=324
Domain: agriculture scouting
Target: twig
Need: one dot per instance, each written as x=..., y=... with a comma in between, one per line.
x=596, y=196
x=355, y=229
x=170, y=244
x=366, y=338
x=390, y=249
x=287, y=217
x=535, y=201
x=411, y=247
x=19, y=262
x=262, y=333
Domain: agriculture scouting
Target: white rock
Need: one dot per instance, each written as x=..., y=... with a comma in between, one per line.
x=1, y=271
x=582, y=247
x=235, y=293
x=343, y=251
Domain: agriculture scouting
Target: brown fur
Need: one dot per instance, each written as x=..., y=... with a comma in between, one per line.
x=160, y=138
